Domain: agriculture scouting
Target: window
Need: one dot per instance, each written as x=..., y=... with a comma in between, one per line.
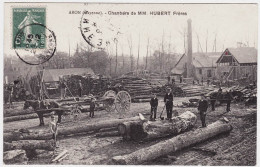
x=209, y=73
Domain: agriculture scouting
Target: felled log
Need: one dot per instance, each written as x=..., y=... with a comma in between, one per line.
x=29, y=145
x=176, y=143
x=134, y=130
x=66, y=130
x=20, y=117
x=108, y=134
x=15, y=157
x=43, y=153
x=16, y=112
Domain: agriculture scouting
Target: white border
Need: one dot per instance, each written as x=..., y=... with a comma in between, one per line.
x=109, y=1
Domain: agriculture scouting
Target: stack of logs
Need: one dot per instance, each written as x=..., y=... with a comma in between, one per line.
x=176, y=90
x=138, y=88
x=20, y=151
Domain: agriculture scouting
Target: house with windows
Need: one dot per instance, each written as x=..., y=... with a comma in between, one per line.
x=203, y=65
x=237, y=63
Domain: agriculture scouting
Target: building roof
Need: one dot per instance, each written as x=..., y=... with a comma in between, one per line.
x=241, y=54
x=52, y=75
x=205, y=59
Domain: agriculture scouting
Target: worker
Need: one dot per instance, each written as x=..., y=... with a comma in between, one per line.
x=169, y=78
x=92, y=107
x=80, y=88
x=208, y=81
x=181, y=79
x=168, y=100
x=62, y=88
x=154, y=105
x=203, y=106
x=229, y=97
x=213, y=97
x=201, y=80
x=173, y=81
x=54, y=129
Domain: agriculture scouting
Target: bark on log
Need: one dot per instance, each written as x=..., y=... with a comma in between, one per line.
x=151, y=130
x=15, y=157
x=108, y=134
x=30, y=145
x=176, y=143
x=16, y=112
x=23, y=117
x=66, y=130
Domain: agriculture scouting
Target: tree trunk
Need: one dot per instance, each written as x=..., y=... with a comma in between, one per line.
x=66, y=130
x=23, y=117
x=137, y=130
x=108, y=134
x=29, y=145
x=176, y=143
x=15, y=157
x=16, y=112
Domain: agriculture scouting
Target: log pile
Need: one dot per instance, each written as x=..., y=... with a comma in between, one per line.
x=140, y=130
x=174, y=144
x=176, y=90
x=90, y=84
x=196, y=90
x=138, y=88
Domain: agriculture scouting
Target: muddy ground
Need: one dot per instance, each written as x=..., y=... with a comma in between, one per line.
x=236, y=148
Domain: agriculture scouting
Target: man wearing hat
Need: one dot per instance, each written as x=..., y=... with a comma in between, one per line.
x=203, y=106
x=168, y=100
x=80, y=88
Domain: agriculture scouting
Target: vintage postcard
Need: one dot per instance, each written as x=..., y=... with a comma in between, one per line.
x=130, y=83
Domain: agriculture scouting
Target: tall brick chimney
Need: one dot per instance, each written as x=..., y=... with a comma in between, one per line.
x=189, y=51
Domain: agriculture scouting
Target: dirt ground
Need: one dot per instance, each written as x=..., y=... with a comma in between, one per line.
x=236, y=148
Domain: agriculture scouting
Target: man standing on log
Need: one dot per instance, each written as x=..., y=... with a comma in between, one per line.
x=168, y=100
x=154, y=105
x=203, y=106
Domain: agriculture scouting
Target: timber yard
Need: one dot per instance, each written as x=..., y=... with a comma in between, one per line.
x=77, y=115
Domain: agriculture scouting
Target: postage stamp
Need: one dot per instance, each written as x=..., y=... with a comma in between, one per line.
x=32, y=36
x=31, y=54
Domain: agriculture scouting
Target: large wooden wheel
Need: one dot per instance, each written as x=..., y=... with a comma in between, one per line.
x=109, y=102
x=122, y=101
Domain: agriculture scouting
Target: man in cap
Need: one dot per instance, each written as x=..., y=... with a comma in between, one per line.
x=168, y=100
x=203, y=106
x=154, y=105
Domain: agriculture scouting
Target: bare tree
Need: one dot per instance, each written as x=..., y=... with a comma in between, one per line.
x=116, y=42
x=130, y=44
x=138, y=52
x=123, y=69
x=147, y=53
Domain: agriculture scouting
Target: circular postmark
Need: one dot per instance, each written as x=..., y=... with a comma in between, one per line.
x=35, y=44
x=97, y=31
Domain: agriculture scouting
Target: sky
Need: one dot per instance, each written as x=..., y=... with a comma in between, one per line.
x=228, y=23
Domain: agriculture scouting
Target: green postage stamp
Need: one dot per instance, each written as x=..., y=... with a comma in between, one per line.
x=26, y=30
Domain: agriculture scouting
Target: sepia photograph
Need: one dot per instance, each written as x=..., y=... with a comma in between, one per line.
x=94, y=83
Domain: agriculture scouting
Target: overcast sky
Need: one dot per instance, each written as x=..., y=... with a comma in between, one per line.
x=230, y=23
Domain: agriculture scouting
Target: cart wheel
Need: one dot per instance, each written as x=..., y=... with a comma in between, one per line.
x=122, y=101
x=109, y=105
x=110, y=94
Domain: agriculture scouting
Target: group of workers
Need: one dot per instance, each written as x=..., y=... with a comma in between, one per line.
x=202, y=106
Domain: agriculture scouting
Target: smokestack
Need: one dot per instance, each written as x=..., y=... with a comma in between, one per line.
x=189, y=52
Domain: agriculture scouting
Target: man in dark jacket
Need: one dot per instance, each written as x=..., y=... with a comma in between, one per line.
x=229, y=98
x=168, y=100
x=203, y=106
x=80, y=88
x=92, y=107
x=154, y=105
